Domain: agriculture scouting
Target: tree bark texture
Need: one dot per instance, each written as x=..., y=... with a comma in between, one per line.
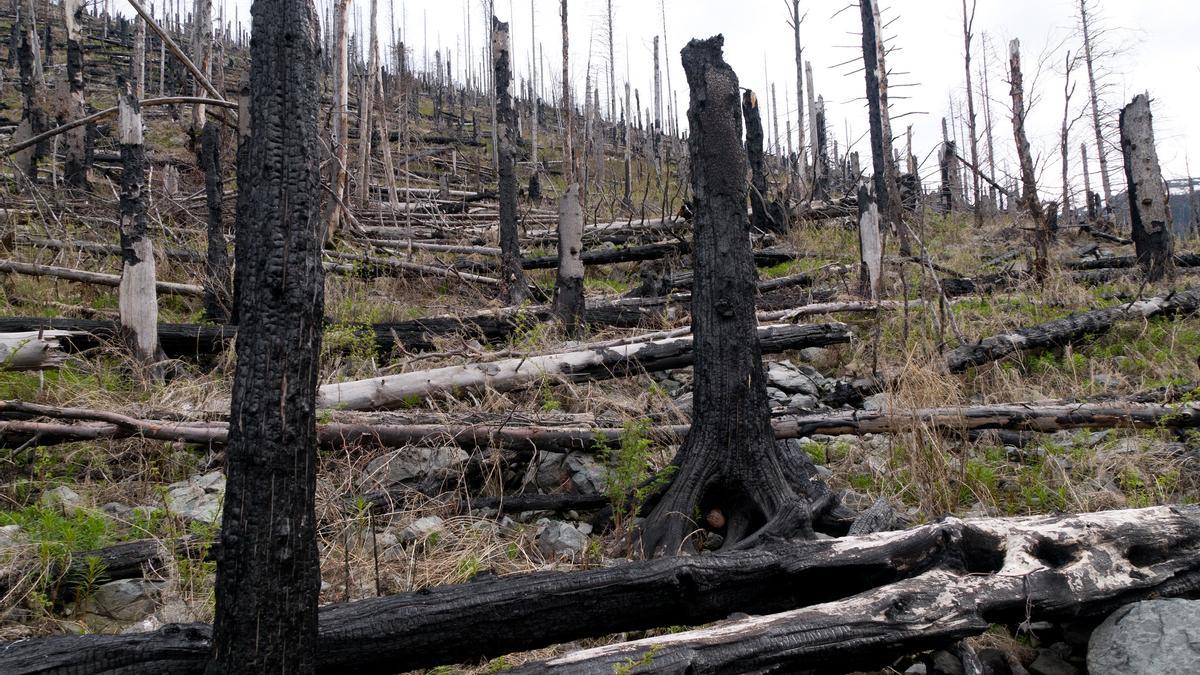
x=1029, y=192
x=1149, y=210
x=886, y=192
x=32, y=350
x=268, y=573
x=218, y=282
x=754, y=155
x=729, y=461
x=513, y=278
x=33, y=104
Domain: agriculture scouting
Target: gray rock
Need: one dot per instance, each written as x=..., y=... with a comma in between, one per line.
x=401, y=465
x=197, y=498
x=1048, y=662
x=551, y=474
x=62, y=497
x=9, y=535
x=877, y=403
x=803, y=402
x=1106, y=381
x=561, y=540
x=1154, y=636
x=117, y=510
x=820, y=357
x=671, y=387
x=945, y=663
x=777, y=394
x=125, y=602
x=587, y=476
x=684, y=403
x=783, y=375
x=916, y=669
x=422, y=529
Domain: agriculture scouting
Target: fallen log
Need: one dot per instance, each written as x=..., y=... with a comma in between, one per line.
x=1033, y=569
x=1063, y=331
x=97, y=278
x=176, y=340
x=350, y=430
x=394, y=390
x=1128, y=261
x=32, y=350
x=868, y=598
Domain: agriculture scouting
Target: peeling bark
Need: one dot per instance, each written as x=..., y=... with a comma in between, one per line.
x=568, y=285
x=138, y=296
x=1148, y=207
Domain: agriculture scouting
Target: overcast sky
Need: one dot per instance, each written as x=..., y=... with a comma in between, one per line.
x=1157, y=37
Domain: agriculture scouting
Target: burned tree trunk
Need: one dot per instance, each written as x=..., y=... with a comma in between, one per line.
x=268, y=573
x=75, y=170
x=138, y=298
x=754, y=155
x=728, y=467
x=515, y=287
x=340, y=131
x=1029, y=193
x=33, y=106
x=568, y=285
x=870, y=243
x=886, y=192
x=1148, y=208
x=217, y=280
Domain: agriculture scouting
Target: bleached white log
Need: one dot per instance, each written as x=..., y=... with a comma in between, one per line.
x=33, y=350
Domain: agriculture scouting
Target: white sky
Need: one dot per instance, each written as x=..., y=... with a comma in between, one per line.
x=1159, y=38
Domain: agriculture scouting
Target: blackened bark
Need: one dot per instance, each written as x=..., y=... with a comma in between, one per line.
x=515, y=287
x=1029, y=193
x=1148, y=208
x=754, y=155
x=268, y=573
x=217, y=281
x=886, y=193
x=137, y=295
x=75, y=169
x=729, y=464
x=33, y=112
x=568, y=284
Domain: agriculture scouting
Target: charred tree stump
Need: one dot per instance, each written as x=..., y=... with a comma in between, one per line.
x=268, y=572
x=754, y=155
x=1148, y=208
x=515, y=288
x=138, y=297
x=33, y=106
x=728, y=467
x=568, y=285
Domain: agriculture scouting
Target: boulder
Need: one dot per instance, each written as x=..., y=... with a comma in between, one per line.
x=1155, y=636
x=62, y=497
x=561, y=540
x=402, y=465
x=118, y=604
x=792, y=379
x=588, y=477
x=422, y=529
x=1050, y=662
x=197, y=498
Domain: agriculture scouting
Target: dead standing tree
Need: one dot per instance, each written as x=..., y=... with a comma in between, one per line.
x=137, y=295
x=340, y=131
x=754, y=155
x=217, y=282
x=973, y=138
x=886, y=192
x=75, y=169
x=568, y=284
x=728, y=467
x=1029, y=193
x=1149, y=210
x=33, y=105
x=1088, y=29
x=268, y=572
x=515, y=287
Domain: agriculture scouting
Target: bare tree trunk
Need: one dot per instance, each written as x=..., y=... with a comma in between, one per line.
x=968, y=24
x=534, y=98
x=881, y=127
x=202, y=58
x=76, y=168
x=1149, y=209
x=568, y=285
x=367, y=111
x=870, y=244
x=1064, y=144
x=33, y=104
x=568, y=104
x=754, y=156
x=268, y=571
x=811, y=177
x=1087, y=185
x=139, y=58
x=987, y=114
x=515, y=287
x=137, y=295
x=612, y=66
x=627, y=200
x=796, y=21
x=728, y=468
x=340, y=136
x=1086, y=23
x=1029, y=193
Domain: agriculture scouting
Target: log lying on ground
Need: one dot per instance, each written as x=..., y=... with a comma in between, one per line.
x=349, y=430
x=1035, y=569
x=1128, y=261
x=1066, y=330
x=394, y=390
x=175, y=339
x=882, y=594
x=32, y=350
x=97, y=278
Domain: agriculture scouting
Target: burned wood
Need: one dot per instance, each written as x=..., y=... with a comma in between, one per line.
x=97, y=278
x=1066, y=330
x=998, y=569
